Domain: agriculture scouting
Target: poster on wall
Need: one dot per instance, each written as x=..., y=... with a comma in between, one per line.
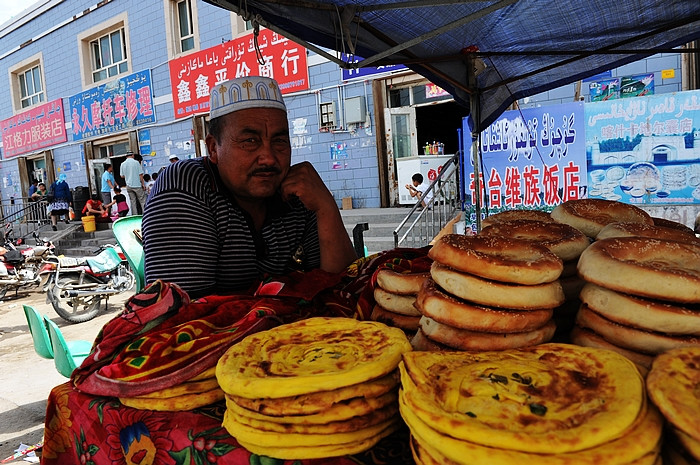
x=645, y=150
x=192, y=76
x=533, y=158
x=114, y=106
x=33, y=130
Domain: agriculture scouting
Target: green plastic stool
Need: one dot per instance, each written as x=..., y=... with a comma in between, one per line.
x=123, y=230
x=65, y=360
x=40, y=335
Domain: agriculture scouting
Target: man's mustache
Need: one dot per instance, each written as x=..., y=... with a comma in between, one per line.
x=270, y=169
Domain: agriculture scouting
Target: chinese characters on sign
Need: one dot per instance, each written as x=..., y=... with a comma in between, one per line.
x=645, y=149
x=33, y=130
x=193, y=75
x=533, y=159
x=117, y=105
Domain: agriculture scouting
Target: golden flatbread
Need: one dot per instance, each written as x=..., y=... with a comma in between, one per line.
x=274, y=439
x=554, y=397
x=400, y=283
x=352, y=424
x=190, y=387
x=338, y=412
x=673, y=384
x=321, y=451
x=174, y=404
x=308, y=404
x=311, y=355
x=641, y=438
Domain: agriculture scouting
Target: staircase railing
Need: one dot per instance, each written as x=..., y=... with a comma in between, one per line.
x=25, y=211
x=422, y=224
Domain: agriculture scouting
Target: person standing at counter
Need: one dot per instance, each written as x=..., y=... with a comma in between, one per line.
x=218, y=224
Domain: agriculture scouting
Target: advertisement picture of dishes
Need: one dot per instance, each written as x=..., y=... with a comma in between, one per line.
x=645, y=150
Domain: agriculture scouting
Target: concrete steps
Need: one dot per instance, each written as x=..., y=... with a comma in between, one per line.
x=381, y=223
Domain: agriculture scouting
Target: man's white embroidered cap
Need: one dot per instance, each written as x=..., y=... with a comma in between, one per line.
x=243, y=93
x=173, y=157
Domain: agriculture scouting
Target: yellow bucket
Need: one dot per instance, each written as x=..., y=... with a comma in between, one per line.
x=88, y=223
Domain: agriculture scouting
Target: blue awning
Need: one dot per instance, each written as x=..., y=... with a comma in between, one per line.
x=517, y=47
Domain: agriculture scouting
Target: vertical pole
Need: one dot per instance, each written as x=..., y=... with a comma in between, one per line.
x=475, y=112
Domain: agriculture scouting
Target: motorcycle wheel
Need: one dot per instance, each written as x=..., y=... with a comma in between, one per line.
x=73, y=309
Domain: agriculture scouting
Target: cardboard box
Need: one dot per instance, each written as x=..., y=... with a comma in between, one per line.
x=347, y=203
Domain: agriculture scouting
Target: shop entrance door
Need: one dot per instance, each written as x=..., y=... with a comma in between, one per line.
x=401, y=143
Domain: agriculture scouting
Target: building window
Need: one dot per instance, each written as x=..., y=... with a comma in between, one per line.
x=30, y=88
x=185, y=25
x=181, y=26
x=109, y=56
x=27, y=83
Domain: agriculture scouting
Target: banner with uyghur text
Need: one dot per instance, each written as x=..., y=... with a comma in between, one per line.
x=530, y=159
x=114, y=106
x=192, y=76
x=32, y=130
x=645, y=150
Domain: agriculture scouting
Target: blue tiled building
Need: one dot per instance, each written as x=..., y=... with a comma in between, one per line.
x=61, y=54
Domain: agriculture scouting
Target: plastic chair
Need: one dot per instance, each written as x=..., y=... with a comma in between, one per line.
x=64, y=358
x=40, y=335
x=123, y=230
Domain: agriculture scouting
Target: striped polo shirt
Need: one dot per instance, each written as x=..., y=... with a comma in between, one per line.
x=196, y=236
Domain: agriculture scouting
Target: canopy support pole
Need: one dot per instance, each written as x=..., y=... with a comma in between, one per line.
x=475, y=113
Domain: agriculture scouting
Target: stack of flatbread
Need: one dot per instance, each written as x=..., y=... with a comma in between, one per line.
x=563, y=240
x=642, y=291
x=672, y=384
x=488, y=293
x=552, y=404
x=395, y=296
x=320, y=387
x=196, y=392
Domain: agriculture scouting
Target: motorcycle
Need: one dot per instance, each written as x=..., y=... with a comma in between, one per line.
x=20, y=264
x=77, y=286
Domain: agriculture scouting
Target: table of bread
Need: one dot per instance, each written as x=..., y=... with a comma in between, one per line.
x=570, y=337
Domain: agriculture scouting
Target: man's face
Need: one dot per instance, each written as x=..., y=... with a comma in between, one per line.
x=254, y=153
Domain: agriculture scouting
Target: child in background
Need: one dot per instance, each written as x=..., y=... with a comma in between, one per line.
x=119, y=200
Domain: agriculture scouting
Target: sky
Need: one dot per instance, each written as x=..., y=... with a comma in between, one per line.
x=9, y=8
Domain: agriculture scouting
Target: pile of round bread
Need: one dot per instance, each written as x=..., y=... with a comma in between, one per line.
x=488, y=293
x=672, y=384
x=395, y=296
x=320, y=387
x=565, y=241
x=196, y=392
x=552, y=404
x=642, y=281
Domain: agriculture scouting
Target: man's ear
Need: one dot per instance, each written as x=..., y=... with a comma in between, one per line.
x=212, y=146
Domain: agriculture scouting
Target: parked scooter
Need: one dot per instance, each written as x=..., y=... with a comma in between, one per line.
x=77, y=286
x=20, y=264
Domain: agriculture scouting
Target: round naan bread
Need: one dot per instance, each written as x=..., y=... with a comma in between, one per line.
x=311, y=355
x=317, y=402
x=553, y=397
x=674, y=386
x=179, y=403
x=356, y=406
x=643, y=437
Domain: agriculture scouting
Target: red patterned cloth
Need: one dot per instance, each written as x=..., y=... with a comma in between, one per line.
x=162, y=339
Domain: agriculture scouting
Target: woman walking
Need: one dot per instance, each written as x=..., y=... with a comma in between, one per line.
x=60, y=200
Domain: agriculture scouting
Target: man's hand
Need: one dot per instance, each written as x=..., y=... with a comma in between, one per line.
x=303, y=181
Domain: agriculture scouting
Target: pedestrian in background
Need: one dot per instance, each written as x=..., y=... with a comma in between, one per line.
x=60, y=200
x=132, y=172
x=108, y=184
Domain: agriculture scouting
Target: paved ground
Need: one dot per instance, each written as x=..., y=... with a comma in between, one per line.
x=25, y=378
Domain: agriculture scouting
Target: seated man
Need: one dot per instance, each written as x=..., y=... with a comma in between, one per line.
x=418, y=190
x=218, y=224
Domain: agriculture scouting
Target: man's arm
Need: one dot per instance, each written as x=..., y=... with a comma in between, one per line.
x=304, y=182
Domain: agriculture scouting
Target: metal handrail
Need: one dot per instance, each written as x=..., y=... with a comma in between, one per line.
x=432, y=218
x=25, y=210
